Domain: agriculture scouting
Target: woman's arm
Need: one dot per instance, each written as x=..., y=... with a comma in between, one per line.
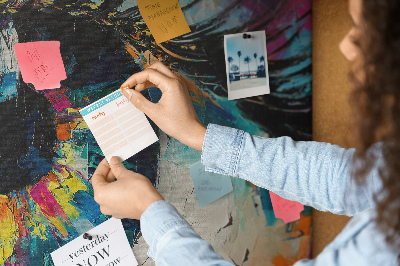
x=312, y=173
x=126, y=194
x=315, y=174
x=173, y=241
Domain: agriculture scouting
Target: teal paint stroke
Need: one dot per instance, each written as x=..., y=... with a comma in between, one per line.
x=8, y=86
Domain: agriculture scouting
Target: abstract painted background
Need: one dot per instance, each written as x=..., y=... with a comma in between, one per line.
x=47, y=153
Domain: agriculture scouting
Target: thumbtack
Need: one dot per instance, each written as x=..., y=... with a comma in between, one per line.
x=87, y=236
x=246, y=36
x=125, y=88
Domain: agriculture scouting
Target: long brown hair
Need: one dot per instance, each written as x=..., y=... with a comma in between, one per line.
x=375, y=101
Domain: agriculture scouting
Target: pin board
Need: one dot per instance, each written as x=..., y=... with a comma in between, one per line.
x=48, y=154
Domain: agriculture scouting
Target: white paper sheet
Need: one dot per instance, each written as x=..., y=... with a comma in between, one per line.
x=109, y=246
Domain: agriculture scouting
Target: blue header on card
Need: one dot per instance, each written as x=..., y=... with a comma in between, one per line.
x=103, y=101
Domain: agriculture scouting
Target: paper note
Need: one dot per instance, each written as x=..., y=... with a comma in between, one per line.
x=118, y=126
x=209, y=186
x=287, y=210
x=246, y=62
x=164, y=18
x=108, y=246
x=41, y=64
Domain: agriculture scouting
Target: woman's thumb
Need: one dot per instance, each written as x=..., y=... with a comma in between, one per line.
x=117, y=167
x=138, y=100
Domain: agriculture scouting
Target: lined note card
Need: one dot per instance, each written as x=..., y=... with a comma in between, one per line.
x=41, y=64
x=164, y=18
x=209, y=186
x=118, y=126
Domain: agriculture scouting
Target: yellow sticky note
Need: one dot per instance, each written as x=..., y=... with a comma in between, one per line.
x=164, y=18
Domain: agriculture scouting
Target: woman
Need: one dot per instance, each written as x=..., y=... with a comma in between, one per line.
x=316, y=174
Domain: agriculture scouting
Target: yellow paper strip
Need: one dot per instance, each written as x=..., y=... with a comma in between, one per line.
x=164, y=18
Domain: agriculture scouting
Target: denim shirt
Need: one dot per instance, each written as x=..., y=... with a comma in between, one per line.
x=312, y=173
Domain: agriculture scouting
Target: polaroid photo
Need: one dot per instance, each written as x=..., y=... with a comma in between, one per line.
x=246, y=64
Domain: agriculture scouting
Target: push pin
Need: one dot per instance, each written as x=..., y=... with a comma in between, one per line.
x=246, y=36
x=87, y=236
x=125, y=88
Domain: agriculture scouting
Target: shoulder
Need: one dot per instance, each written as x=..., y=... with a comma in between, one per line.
x=362, y=242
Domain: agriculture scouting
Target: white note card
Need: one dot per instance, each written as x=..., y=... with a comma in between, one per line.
x=109, y=246
x=118, y=126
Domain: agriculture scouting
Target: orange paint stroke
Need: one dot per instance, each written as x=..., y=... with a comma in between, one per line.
x=135, y=54
x=301, y=227
x=52, y=177
x=132, y=51
x=198, y=93
x=304, y=224
x=19, y=209
x=180, y=57
x=64, y=131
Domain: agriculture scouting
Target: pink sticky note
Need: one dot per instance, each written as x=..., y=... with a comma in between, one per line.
x=287, y=210
x=41, y=64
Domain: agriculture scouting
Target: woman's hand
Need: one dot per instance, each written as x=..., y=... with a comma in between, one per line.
x=128, y=197
x=174, y=113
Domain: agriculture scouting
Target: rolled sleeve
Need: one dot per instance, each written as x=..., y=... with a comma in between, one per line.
x=313, y=173
x=222, y=140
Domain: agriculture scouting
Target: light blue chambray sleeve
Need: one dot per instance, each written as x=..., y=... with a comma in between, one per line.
x=173, y=241
x=312, y=173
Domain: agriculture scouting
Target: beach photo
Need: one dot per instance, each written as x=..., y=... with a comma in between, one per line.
x=246, y=64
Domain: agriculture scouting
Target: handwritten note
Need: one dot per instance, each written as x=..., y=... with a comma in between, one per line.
x=164, y=18
x=209, y=186
x=118, y=126
x=41, y=64
x=287, y=210
x=108, y=246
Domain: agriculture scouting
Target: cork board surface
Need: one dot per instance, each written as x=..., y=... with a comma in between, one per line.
x=331, y=88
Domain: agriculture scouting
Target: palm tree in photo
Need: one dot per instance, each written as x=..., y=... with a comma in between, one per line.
x=255, y=58
x=247, y=60
x=262, y=59
x=234, y=68
x=261, y=72
x=239, y=55
x=230, y=60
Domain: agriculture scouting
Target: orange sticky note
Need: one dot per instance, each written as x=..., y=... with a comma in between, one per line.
x=164, y=18
x=287, y=210
x=41, y=64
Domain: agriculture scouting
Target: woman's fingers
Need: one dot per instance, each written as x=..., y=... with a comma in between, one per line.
x=159, y=80
x=150, y=78
x=100, y=175
x=117, y=167
x=110, y=177
x=160, y=67
x=143, y=86
x=174, y=113
x=141, y=103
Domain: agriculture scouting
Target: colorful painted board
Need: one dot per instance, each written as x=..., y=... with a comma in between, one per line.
x=48, y=154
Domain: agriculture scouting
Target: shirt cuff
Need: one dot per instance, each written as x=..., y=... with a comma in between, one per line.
x=158, y=219
x=221, y=151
